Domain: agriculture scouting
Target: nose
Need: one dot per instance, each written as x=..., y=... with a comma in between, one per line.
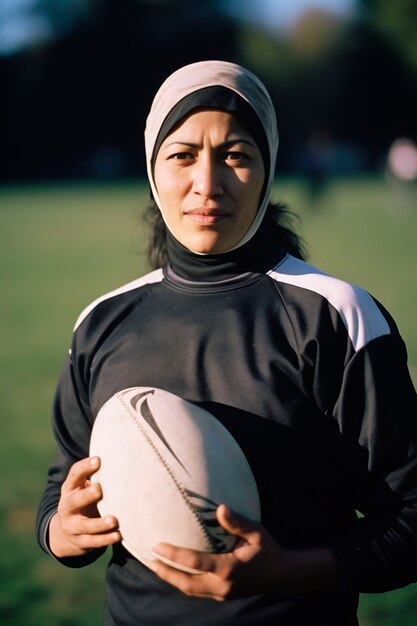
x=207, y=181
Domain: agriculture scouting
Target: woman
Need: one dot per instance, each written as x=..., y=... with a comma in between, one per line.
x=307, y=372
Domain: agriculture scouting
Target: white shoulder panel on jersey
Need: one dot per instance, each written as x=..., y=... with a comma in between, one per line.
x=153, y=277
x=360, y=314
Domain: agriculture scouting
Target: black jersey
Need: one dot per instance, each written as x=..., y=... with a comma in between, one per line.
x=309, y=375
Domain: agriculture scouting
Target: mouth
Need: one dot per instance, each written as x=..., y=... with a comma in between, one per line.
x=206, y=217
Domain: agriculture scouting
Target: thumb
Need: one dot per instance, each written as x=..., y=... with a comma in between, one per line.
x=237, y=524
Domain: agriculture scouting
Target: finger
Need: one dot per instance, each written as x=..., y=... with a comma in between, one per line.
x=192, y=559
x=89, y=542
x=82, y=500
x=205, y=585
x=239, y=525
x=79, y=525
x=80, y=472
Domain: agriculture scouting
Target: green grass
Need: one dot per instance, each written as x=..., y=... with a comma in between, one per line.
x=60, y=247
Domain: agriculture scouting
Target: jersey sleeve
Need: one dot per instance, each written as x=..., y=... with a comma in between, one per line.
x=376, y=414
x=72, y=427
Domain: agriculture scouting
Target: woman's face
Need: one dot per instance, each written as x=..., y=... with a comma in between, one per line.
x=209, y=174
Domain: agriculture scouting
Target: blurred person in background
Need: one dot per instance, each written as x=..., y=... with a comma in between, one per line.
x=401, y=175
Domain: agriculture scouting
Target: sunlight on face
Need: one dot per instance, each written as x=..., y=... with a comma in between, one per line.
x=209, y=174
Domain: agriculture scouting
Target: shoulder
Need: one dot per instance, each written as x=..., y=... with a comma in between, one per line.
x=129, y=288
x=361, y=315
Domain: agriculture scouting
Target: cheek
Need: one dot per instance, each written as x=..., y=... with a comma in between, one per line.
x=252, y=179
x=251, y=189
x=168, y=188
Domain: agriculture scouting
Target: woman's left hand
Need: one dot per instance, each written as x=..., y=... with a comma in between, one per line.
x=257, y=565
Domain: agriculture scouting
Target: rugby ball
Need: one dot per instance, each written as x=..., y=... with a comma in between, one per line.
x=166, y=464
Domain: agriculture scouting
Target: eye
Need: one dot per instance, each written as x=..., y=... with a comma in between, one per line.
x=234, y=157
x=182, y=156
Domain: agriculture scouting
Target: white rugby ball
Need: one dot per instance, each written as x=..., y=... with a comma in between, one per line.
x=166, y=464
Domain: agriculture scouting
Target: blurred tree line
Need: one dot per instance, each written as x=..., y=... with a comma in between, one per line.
x=75, y=105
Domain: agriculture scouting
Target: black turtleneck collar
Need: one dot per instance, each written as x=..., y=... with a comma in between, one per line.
x=260, y=254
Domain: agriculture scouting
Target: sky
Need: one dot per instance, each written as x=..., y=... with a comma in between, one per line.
x=24, y=22
x=283, y=13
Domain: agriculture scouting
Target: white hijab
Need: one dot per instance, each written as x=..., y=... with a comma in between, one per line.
x=196, y=76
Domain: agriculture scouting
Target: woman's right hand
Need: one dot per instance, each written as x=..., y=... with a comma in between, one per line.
x=77, y=527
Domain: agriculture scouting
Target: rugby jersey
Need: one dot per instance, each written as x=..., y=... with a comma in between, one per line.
x=309, y=374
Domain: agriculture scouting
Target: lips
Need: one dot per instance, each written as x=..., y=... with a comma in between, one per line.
x=206, y=216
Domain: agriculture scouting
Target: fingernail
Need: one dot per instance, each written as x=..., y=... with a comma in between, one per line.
x=93, y=461
x=96, y=489
x=158, y=549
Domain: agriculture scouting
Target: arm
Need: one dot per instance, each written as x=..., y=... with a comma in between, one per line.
x=68, y=524
x=376, y=412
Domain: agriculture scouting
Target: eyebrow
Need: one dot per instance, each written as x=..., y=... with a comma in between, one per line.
x=225, y=144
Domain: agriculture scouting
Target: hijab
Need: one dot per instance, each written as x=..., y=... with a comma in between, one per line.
x=221, y=85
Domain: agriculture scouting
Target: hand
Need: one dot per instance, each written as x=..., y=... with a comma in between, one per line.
x=257, y=565
x=77, y=527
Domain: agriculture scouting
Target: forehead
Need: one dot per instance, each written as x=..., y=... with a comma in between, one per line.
x=214, y=122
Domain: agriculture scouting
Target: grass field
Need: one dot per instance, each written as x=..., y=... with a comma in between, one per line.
x=60, y=247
